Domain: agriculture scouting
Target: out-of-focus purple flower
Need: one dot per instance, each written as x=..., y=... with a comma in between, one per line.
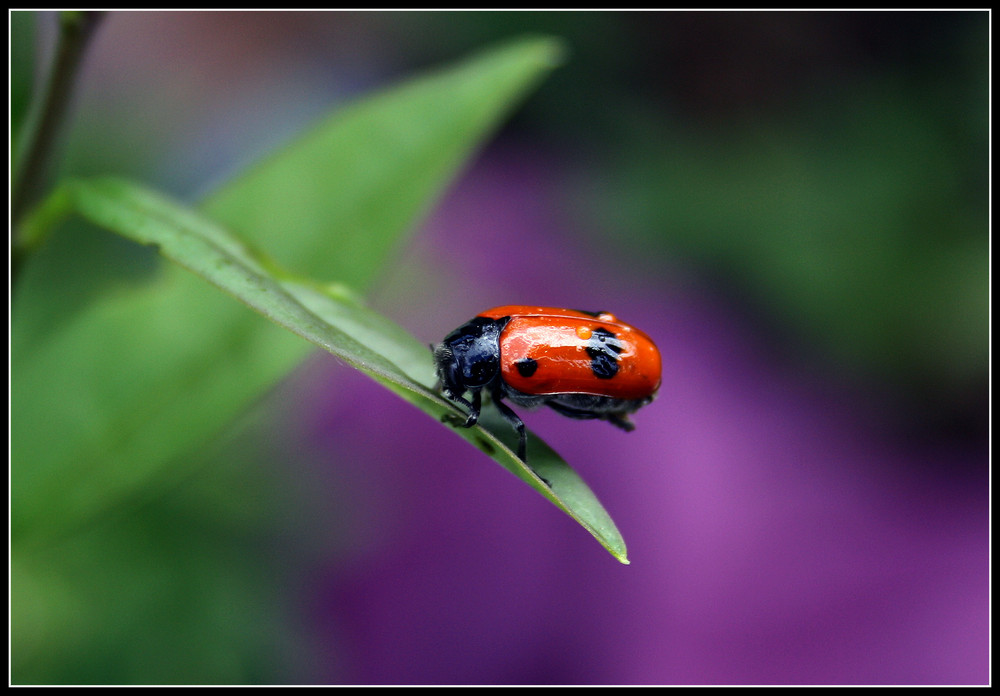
x=778, y=533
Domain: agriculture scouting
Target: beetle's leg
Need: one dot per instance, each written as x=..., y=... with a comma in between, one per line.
x=508, y=413
x=473, y=407
x=622, y=421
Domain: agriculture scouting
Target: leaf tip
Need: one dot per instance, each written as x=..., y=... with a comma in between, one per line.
x=552, y=51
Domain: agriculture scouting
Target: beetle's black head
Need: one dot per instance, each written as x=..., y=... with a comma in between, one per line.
x=469, y=357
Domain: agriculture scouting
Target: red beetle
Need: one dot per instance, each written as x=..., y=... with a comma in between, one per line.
x=580, y=364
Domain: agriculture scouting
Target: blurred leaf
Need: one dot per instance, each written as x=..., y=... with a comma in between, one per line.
x=317, y=204
x=164, y=595
x=119, y=378
x=22, y=70
x=862, y=227
x=333, y=320
x=110, y=398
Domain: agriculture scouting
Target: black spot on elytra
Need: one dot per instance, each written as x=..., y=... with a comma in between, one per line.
x=603, y=348
x=526, y=366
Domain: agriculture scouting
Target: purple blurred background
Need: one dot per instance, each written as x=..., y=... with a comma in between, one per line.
x=792, y=515
x=780, y=529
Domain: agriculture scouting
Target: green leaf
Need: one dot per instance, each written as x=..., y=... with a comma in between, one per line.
x=334, y=320
x=110, y=396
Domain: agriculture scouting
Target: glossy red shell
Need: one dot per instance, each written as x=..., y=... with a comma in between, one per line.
x=557, y=340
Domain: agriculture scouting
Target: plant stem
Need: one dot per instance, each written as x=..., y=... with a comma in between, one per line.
x=48, y=112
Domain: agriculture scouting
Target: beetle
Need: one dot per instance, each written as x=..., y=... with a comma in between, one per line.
x=585, y=365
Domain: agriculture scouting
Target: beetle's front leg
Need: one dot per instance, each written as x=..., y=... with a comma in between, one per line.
x=474, y=407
